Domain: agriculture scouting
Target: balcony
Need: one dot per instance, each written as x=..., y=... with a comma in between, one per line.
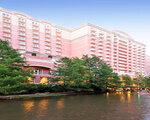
x=121, y=66
x=35, y=37
x=22, y=47
x=93, y=33
x=22, y=43
x=47, y=34
x=58, y=49
x=100, y=56
x=92, y=49
x=7, y=38
x=100, y=41
x=36, y=33
x=120, y=58
x=35, y=25
x=58, y=52
x=108, y=48
x=22, y=25
x=122, y=51
x=7, y=35
x=47, y=40
x=108, y=57
x=122, y=54
x=92, y=42
x=22, y=21
x=48, y=45
x=35, y=49
x=8, y=26
x=100, y=50
x=122, y=62
x=6, y=17
x=121, y=44
x=47, y=51
x=92, y=46
x=36, y=41
x=7, y=21
x=58, y=34
x=22, y=29
x=22, y=39
x=23, y=34
x=93, y=38
x=35, y=29
x=108, y=44
x=47, y=29
x=100, y=46
x=101, y=34
x=58, y=43
x=101, y=38
x=8, y=31
x=122, y=48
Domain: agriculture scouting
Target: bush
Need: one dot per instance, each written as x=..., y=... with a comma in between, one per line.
x=16, y=89
x=30, y=89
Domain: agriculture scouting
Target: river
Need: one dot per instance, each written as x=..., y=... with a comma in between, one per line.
x=117, y=106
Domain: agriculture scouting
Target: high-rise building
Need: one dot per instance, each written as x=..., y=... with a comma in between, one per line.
x=117, y=48
x=147, y=65
x=42, y=43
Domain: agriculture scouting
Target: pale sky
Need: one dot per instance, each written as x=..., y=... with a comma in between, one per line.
x=130, y=16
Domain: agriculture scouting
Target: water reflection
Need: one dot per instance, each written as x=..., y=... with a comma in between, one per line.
x=119, y=106
x=43, y=104
x=60, y=104
x=144, y=103
x=123, y=97
x=28, y=105
x=42, y=108
x=107, y=94
x=129, y=97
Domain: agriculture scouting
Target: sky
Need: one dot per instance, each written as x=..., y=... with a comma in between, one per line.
x=130, y=16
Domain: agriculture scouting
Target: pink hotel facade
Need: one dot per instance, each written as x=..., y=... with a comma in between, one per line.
x=43, y=43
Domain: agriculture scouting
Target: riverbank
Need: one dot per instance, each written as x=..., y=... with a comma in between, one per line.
x=54, y=94
x=41, y=95
x=31, y=96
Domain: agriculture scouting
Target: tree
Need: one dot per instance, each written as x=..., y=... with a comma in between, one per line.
x=127, y=81
x=138, y=80
x=101, y=75
x=11, y=66
x=71, y=71
x=146, y=82
x=89, y=72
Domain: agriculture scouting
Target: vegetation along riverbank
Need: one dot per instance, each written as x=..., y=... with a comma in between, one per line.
x=78, y=75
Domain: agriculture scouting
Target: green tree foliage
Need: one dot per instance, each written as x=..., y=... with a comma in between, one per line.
x=127, y=81
x=88, y=71
x=72, y=71
x=101, y=75
x=138, y=80
x=11, y=66
x=146, y=82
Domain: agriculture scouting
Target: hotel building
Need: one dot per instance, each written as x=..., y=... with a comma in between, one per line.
x=147, y=66
x=43, y=43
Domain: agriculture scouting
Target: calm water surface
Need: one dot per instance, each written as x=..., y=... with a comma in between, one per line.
x=89, y=107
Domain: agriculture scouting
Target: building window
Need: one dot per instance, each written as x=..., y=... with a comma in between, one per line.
x=33, y=54
x=49, y=56
x=37, y=72
x=35, y=45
